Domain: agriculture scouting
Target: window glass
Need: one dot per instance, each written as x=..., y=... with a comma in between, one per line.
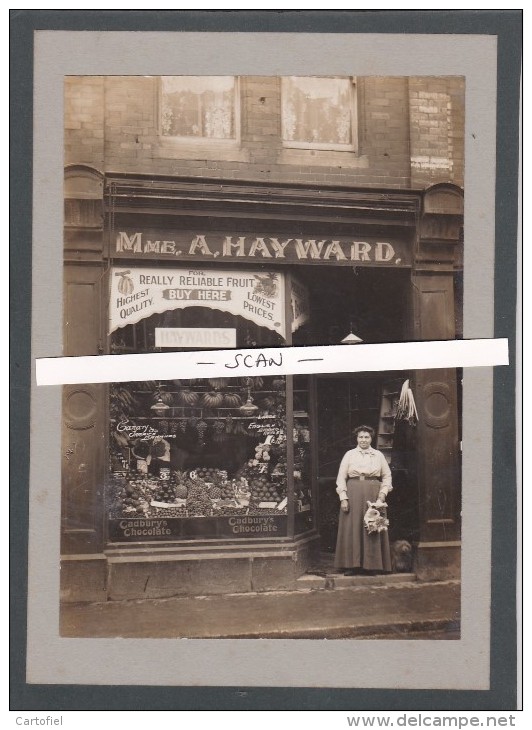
x=302, y=438
x=198, y=106
x=197, y=458
x=317, y=111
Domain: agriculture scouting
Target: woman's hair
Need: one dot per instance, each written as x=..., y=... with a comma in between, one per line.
x=367, y=429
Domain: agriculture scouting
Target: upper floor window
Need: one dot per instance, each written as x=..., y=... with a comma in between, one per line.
x=199, y=107
x=319, y=112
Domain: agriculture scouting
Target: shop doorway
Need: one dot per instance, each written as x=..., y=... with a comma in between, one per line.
x=374, y=303
x=347, y=401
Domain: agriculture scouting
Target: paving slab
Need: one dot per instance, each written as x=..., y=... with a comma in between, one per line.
x=397, y=609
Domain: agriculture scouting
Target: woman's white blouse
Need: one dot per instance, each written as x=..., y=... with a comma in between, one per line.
x=363, y=462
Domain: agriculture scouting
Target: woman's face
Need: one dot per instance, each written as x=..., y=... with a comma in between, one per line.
x=364, y=440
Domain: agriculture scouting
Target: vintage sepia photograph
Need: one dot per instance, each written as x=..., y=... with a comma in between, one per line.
x=216, y=212
x=290, y=222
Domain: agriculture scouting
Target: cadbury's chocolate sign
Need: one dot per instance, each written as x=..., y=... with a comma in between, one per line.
x=281, y=249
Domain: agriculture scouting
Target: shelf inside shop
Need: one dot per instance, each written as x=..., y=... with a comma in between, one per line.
x=206, y=418
x=200, y=390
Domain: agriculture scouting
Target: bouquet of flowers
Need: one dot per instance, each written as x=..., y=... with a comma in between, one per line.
x=374, y=519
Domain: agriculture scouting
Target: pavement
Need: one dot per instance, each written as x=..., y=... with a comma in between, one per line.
x=323, y=606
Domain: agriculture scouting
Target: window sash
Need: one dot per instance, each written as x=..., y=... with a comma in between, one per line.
x=320, y=144
x=200, y=118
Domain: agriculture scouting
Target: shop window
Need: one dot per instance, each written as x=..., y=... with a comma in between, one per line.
x=198, y=458
x=303, y=470
x=319, y=112
x=199, y=108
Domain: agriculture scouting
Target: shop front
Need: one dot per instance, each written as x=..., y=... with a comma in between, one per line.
x=227, y=484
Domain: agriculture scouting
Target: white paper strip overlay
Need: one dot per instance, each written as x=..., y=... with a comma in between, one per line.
x=271, y=361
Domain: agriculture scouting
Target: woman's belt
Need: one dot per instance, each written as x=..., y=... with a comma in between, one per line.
x=362, y=478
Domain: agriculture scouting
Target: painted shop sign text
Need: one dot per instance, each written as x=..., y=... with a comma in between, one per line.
x=281, y=249
x=140, y=292
x=152, y=529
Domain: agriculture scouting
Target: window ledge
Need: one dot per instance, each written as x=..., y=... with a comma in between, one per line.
x=323, y=158
x=202, y=149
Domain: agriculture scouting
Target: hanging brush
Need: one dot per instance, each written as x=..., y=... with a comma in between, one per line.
x=406, y=407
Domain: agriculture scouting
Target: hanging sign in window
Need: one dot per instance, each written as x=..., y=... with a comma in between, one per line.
x=300, y=304
x=195, y=337
x=138, y=293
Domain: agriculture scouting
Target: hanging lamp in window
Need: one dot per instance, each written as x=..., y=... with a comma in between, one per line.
x=160, y=408
x=351, y=338
x=249, y=408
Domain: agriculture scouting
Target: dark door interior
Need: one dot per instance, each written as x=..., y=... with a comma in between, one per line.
x=347, y=401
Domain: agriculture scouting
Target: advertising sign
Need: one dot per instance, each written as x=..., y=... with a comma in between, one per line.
x=196, y=337
x=300, y=304
x=138, y=293
x=172, y=528
x=252, y=247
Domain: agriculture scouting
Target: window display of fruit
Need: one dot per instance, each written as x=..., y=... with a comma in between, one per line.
x=198, y=501
x=265, y=511
x=232, y=400
x=187, y=398
x=218, y=383
x=212, y=399
x=219, y=434
x=207, y=473
x=181, y=491
x=255, y=383
x=207, y=426
x=227, y=490
x=228, y=510
x=262, y=490
x=177, y=511
x=130, y=496
x=165, y=492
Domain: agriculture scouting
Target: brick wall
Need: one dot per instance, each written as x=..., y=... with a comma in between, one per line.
x=84, y=115
x=436, y=130
x=410, y=134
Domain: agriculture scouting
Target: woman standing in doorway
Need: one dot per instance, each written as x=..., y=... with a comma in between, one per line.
x=364, y=476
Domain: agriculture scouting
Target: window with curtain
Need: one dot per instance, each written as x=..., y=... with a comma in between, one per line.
x=318, y=112
x=201, y=107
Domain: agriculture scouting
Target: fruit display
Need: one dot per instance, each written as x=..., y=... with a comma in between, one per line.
x=255, y=383
x=179, y=510
x=218, y=383
x=206, y=424
x=181, y=491
x=188, y=398
x=128, y=497
x=213, y=399
x=265, y=511
x=263, y=490
x=219, y=431
x=164, y=492
x=232, y=400
x=198, y=501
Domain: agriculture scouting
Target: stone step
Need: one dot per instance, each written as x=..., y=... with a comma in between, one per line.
x=333, y=581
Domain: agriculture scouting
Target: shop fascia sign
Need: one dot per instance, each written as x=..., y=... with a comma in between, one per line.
x=250, y=247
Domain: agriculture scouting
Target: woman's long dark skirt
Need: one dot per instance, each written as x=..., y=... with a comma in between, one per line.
x=355, y=547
